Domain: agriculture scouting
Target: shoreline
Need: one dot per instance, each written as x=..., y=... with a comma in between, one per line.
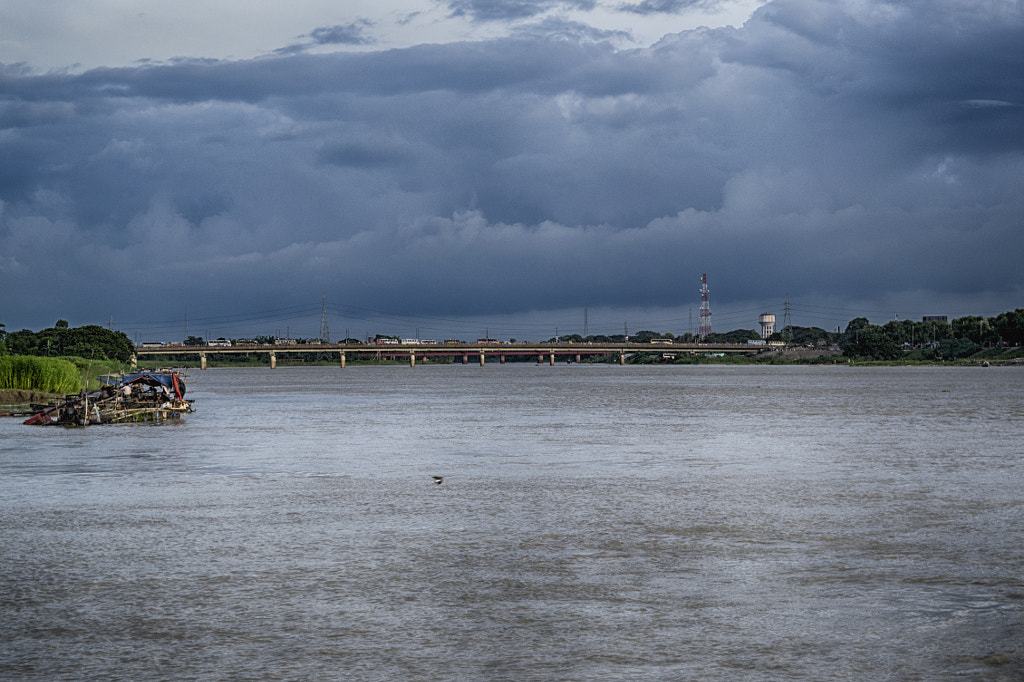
x=15, y=402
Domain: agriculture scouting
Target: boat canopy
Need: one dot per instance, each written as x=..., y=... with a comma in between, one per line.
x=169, y=380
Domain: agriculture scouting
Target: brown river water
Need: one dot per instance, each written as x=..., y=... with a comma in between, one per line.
x=595, y=522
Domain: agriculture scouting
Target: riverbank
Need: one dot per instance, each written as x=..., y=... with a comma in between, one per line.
x=13, y=402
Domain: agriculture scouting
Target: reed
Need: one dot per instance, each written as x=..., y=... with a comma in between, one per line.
x=31, y=373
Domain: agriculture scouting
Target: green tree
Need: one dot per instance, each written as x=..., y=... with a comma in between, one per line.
x=91, y=341
x=1010, y=326
x=871, y=341
x=856, y=324
x=934, y=331
x=900, y=331
x=644, y=336
x=809, y=336
x=973, y=328
x=735, y=336
x=954, y=349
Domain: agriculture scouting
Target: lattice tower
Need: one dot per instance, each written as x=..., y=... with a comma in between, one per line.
x=325, y=333
x=705, y=308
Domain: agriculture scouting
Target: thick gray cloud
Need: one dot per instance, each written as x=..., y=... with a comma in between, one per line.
x=505, y=10
x=667, y=6
x=857, y=157
x=348, y=34
x=554, y=28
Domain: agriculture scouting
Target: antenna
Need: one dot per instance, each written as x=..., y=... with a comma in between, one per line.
x=705, y=308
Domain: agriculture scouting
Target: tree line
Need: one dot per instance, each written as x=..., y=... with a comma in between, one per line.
x=934, y=339
x=60, y=340
x=930, y=339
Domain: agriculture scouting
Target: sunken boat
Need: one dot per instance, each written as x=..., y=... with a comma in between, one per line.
x=124, y=398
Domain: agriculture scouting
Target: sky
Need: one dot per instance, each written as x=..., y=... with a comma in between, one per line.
x=515, y=168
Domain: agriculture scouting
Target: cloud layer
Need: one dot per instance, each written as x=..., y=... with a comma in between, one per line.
x=853, y=155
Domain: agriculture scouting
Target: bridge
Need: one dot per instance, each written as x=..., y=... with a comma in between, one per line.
x=481, y=351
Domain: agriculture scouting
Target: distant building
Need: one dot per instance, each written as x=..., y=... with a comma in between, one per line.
x=934, y=318
x=767, y=321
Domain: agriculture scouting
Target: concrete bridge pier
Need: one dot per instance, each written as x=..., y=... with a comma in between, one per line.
x=343, y=359
x=622, y=357
x=135, y=361
x=481, y=357
x=412, y=358
x=551, y=359
x=273, y=360
x=501, y=359
x=465, y=358
x=540, y=358
x=202, y=361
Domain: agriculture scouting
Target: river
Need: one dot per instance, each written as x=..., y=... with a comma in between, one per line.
x=595, y=522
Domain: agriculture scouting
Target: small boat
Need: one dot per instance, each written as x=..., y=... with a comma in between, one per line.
x=125, y=398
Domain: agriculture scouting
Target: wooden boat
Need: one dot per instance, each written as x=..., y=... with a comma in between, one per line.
x=124, y=398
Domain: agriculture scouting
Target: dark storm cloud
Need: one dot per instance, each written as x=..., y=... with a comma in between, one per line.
x=667, y=6
x=849, y=154
x=557, y=28
x=349, y=34
x=506, y=10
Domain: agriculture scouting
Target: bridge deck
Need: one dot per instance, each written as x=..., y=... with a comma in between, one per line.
x=462, y=349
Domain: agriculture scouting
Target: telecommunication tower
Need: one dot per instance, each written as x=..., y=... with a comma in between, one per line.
x=705, y=308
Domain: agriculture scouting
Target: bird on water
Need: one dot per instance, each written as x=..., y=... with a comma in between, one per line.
x=438, y=479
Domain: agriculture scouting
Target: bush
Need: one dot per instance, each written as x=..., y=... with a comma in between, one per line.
x=49, y=375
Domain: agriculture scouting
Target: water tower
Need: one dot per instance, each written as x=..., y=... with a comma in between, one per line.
x=767, y=321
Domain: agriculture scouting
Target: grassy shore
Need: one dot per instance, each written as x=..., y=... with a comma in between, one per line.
x=26, y=379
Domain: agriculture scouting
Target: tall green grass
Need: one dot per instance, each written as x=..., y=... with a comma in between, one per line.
x=30, y=373
x=91, y=369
